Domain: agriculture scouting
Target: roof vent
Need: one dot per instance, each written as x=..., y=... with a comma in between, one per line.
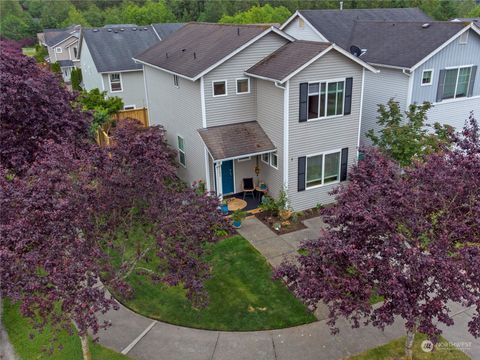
x=122, y=29
x=134, y=29
x=238, y=31
x=355, y=51
x=95, y=30
x=183, y=50
x=426, y=26
x=109, y=30
x=115, y=31
x=166, y=54
x=194, y=55
x=145, y=28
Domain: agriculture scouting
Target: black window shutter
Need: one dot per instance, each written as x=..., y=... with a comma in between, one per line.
x=347, y=108
x=344, y=165
x=303, y=102
x=302, y=160
x=441, y=80
x=472, y=80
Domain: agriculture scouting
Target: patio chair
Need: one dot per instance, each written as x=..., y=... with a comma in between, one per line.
x=248, y=187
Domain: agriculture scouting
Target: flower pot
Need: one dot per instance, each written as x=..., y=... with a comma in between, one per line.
x=237, y=224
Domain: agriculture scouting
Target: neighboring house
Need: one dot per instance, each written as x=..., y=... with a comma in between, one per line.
x=239, y=98
x=163, y=30
x=106, y=61
x=62, y=47
x=419, y=59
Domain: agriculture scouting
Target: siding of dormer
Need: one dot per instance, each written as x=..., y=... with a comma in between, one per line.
x=305, y=32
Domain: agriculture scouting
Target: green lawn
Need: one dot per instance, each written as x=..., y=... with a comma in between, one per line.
x=394, y=350
x=29, y=51
x=19, y=330
x=242, y=294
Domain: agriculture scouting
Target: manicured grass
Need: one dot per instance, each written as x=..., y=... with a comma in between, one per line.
x=29, y=51
x=395, y=350
x=19, y=330
x=242, y=294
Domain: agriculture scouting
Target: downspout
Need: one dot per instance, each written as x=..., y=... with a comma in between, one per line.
x=410, y=74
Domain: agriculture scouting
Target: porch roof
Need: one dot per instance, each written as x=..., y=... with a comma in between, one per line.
x=236, y=140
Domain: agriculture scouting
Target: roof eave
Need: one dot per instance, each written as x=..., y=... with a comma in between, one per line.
x=261, y=77
x=162, y=69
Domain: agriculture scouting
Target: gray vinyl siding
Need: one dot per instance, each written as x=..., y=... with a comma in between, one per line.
x=64, y=55
x=133, y=88
x=179, y=111
x=454, y=113
x=235, y=108
x=302, y=33
x=91, y=78
x=314, y=137
x=270, y=117
x=454, y=54
x=379, y=88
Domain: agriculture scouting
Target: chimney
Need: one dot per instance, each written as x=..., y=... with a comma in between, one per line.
x=341, y=5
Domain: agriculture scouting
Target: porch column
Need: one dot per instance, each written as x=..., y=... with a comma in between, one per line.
x=218, y=176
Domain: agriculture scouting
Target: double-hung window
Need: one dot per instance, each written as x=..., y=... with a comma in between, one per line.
x=219, y=88
x=427, y=77
x=322, y=169
x=325, y=99
x=181, y=151
x=456, y=82
x=115, y=82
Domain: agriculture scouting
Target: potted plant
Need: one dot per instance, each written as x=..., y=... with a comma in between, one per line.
x=224, y=207
x=237, y=218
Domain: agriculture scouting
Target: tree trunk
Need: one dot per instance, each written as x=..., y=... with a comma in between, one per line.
x=409, y=342
x=85, y=349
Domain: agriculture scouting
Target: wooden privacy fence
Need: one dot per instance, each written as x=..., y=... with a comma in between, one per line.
x=103, y=139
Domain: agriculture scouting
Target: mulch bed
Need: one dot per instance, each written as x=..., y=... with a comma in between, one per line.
x=287, y=227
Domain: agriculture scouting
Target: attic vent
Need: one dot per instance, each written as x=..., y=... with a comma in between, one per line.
x=426, y=25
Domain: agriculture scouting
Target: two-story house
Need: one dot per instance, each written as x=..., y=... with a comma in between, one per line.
x=419, y=59
x=62, y=47
x=246, y=101
x=106, y=59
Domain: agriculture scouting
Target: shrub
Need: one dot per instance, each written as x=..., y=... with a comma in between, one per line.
x=76, y=79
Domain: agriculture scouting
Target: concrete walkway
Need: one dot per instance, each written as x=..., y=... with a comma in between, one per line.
x=145, y=339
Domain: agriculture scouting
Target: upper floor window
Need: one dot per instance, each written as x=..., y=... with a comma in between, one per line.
x=274, y=160
x=325, y=99
x=181, y=151
x=456, y=82
x=427, y=77
x=219, y=88
x=464, y=38
x=75, y=52
x=175, y=80
x=243, y=86
x=115, y=82
x=322, y=169
x=58, y=50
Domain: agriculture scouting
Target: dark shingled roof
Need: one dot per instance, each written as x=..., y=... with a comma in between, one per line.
x=287, y=59
x=197, y=46
x=54, y=36
x=336, y=25
x=112, y=48
x=65, y=63
x=228, y=141
x=165, y=29
x=400, y=44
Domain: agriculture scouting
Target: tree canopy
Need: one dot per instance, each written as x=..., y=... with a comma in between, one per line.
x=410, y=235
x=259, y=14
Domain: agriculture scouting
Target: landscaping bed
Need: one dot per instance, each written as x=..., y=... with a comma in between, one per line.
x=242, y=294
x=294, y=223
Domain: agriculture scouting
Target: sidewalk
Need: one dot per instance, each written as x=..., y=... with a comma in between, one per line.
x=145, y=339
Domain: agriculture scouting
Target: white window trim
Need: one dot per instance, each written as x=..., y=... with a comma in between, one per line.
x=246, y=158
x=265, y=162
x=110, y=83
x=271, y=162
x=236, y=86
x=466, y=38
x=130, y=107
x=319, y=82
x=58, y=50
x=431, y=78
x=213, y=88
x=456, y=81
x=323, y=169
x=181, y=151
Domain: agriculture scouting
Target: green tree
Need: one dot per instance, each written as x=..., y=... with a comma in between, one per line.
x=407, y=138
x=15, y=23
x=258, y=14
x=475, y=12
x=94, y=16
x=75, y=17
x=54, y=13
x=151, y=12
x=76, y=79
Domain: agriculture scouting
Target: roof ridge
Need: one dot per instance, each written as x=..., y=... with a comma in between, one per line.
x=233, y=25
x=357, y=9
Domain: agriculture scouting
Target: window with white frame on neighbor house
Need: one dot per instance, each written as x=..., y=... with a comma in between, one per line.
x=243, y=86
x=325, y=99
x=219, y=88
x=322, y=169
x=274, y=160
x=115, y=82
x=456, y=82
x=427, y=77
x=58, y=50
x=266, y=158
x=181, y=151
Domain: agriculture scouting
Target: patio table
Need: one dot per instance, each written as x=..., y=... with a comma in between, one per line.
x=236, y=204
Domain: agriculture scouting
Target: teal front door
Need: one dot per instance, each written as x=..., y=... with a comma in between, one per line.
x=227, y=177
